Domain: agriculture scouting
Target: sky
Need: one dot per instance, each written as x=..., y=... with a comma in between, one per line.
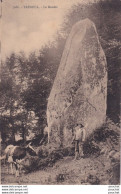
x=28, y=29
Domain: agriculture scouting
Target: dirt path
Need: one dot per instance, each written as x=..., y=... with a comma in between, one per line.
x=65, y=171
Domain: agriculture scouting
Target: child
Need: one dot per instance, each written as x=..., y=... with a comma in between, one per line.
x=79, y=138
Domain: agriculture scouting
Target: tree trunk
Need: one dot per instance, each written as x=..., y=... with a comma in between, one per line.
x=13, y=129
x=23, y=133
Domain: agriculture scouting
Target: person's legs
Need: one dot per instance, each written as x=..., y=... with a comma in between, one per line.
x=76, y=149
x=81, y=154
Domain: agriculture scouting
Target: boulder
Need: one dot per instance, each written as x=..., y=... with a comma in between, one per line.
x=79, y=92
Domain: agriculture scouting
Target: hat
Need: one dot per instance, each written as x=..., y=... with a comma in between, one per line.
x=80, y=125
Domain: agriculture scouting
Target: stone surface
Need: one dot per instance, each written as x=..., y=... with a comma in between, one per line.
x=79, y=91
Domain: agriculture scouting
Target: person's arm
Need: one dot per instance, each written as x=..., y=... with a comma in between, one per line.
x=73, y=138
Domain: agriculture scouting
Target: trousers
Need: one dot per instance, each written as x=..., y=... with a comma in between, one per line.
x=78, y=147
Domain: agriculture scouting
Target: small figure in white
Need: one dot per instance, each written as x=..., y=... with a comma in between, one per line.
x=78, y=139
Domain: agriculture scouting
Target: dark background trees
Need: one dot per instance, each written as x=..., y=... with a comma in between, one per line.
x=27, y=81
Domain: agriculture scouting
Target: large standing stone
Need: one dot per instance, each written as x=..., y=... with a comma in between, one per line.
x=79, y=91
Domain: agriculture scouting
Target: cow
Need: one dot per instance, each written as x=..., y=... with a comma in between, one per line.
x=15, y=155
x=6, y=152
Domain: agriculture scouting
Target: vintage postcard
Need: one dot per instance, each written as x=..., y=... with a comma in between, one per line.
x=60, y=92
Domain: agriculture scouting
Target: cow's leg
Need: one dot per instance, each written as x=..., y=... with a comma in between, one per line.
x=4, y=161
x=17, y=170
x=8, y=168
x=17, y=173
x=11, y=167
x=10, y=161
x=20, y=168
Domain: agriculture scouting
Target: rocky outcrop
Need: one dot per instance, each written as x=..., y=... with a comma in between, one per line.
x=79, y=91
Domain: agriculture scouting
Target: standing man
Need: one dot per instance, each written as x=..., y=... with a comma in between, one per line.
x=79, y=138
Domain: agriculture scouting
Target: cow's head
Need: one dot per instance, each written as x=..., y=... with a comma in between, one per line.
x=31, y=150
x=8, y=148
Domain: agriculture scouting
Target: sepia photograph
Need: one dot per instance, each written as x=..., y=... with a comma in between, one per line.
x=60, y=92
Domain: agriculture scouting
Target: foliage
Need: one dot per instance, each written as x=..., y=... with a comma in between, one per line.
x=27, y=81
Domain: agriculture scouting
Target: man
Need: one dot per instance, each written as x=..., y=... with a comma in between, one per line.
x=79, y=138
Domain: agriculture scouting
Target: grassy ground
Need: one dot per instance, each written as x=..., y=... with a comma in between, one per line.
x=66, y=171
x=100, y=165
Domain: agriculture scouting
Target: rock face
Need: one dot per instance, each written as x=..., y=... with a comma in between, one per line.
x=79, y=91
